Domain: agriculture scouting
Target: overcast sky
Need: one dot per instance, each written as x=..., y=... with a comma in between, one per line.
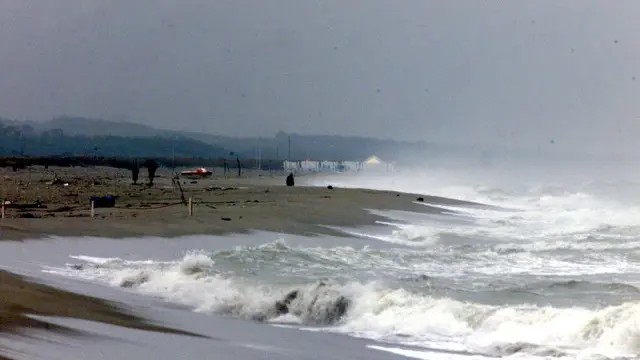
x=508, y=72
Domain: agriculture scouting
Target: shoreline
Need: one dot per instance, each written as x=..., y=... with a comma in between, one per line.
x=221, y=205
x=22, y=296
x=55, y=202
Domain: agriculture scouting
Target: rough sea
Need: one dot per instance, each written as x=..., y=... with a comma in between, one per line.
x=552, y=271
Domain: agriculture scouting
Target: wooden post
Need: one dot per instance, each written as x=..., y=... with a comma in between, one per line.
x=2, y=211
x=190, y=207
x=93, y=210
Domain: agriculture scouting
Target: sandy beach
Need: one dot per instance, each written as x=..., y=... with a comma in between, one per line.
x=56, y=201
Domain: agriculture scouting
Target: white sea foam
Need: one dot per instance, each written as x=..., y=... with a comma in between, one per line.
x=382, y=313
x=532, y=208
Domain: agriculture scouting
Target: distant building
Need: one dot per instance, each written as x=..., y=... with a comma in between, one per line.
x=372, y=164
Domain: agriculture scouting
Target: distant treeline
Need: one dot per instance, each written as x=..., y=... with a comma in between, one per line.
x=24, y=141
x=130, y=163
x=82, y=136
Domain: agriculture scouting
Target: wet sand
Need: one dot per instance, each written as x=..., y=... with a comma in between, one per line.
x=221, y=204
x=21, y=297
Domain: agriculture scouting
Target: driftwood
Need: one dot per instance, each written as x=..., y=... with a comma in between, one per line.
x=176, y=182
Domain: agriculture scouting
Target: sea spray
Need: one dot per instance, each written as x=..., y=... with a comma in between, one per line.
x=377, y=310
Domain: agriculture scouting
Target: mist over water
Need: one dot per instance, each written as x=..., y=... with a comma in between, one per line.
x=553, y=270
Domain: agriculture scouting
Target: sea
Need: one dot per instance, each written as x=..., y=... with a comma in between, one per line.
x=550, y=270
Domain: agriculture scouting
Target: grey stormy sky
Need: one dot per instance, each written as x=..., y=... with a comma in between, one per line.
x=508, y=72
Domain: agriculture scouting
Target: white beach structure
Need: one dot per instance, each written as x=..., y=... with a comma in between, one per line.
x=371, y=164
x=375, y=164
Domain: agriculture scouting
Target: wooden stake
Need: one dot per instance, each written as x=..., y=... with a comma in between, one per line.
x=190, y=207
x=93, y=211
x=2, y=211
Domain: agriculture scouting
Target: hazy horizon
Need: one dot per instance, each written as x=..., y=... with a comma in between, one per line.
x=516, y=74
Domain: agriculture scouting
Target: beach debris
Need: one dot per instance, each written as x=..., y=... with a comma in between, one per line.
x=36, y=205
x=225, y=218
x=103, y=201
x=26, y=216
x=212, y=188
x=330, y=187
x=57, y=181
x=290, y=180
x=420, y=199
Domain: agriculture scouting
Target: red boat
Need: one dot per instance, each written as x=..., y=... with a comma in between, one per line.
x=197, y=173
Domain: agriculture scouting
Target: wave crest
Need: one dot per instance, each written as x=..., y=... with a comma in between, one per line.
x=378, y=311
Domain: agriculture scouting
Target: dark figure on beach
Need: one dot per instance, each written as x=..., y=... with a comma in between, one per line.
x=239, y=167
x=226, y=166
x=151, y=166
x=290, y=180
x=135, y=171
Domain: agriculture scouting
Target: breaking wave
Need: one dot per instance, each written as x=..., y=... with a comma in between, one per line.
x=227, y=283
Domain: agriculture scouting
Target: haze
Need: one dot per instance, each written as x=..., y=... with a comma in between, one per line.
x=515, y=73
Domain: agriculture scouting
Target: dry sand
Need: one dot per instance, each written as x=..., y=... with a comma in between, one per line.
x=221, y=204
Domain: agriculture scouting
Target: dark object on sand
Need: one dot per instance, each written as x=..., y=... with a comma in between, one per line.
x=225, y=219
x=290, y=180
x=36, y=205
x=26, y=216
x=57, y=181
x=330, y=187
x=103, y=201
x=421, y=199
